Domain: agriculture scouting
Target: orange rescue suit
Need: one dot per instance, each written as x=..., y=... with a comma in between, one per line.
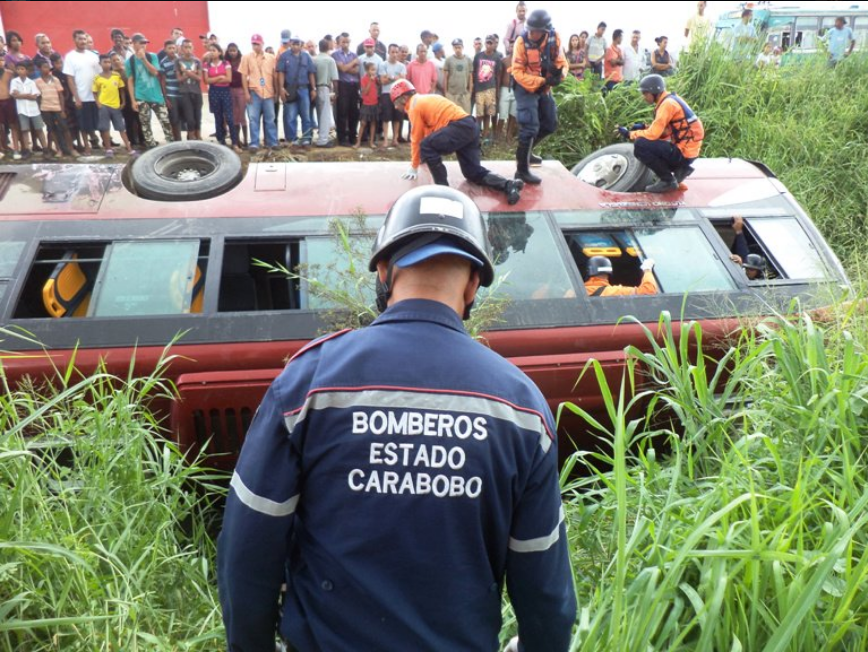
x=670, y=123
x=527, y=63
x=648, y=286
x=427, y=114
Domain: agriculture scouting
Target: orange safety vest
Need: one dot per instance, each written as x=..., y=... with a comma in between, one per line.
x=598, y=286
x=675, y=121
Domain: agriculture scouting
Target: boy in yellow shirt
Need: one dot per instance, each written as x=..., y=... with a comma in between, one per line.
x=110, y=102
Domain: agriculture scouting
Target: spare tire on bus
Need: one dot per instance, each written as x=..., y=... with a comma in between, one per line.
x=185, y=171
x=614, y=168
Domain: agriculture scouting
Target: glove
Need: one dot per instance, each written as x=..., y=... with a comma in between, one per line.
x=411, y=174
x=637, y=126
x=625, y=133
x=647, y=264
x=554, y=79
x=512, y=646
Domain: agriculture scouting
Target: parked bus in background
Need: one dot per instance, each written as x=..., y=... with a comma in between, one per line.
x=796, y=30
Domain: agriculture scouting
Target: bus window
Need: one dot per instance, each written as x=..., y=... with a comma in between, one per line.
x=789, y=245
x=247, y=285
x=860, y=32
x=146, y=278
x=10, y=252
x=806, y=33
x=525, y=254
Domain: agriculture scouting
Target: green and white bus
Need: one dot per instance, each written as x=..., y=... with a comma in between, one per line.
x=796, y=30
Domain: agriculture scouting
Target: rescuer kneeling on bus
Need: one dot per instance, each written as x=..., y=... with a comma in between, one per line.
x=672, y=142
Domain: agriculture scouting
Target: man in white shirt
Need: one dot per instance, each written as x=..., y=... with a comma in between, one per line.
x=634, y=58
x=597, y=50
x=81, y=66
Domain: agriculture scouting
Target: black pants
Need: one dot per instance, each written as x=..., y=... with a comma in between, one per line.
x=662, y=156
x=460, y=137
x=347, y=112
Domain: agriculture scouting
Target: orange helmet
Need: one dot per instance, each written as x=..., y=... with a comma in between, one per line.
x=401, y=88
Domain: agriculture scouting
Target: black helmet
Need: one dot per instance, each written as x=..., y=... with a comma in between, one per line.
x=539, y=19
x=427, y=213
x=654, y=84
x=754, y=261
x=599, y=265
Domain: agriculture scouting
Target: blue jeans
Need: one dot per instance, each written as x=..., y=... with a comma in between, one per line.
x=292, y=111
x=256, y=110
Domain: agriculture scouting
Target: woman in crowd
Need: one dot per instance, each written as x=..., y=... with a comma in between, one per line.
x=661, y=60
x=576, y=54
x=239, y=104
x=218, y=75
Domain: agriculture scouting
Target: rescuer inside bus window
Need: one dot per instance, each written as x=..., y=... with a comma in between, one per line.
x=599, y=271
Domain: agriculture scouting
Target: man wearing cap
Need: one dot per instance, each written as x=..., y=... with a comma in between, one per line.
x=395, y=478
x=349, y=82
x=296, y=79
x=438, y=58
x=147, y=91
x=379, y=47
x=439, y=128
x=258, y=79
x=457, y=76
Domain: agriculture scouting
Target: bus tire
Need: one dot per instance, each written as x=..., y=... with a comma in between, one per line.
x=185, y=171
x=614, y=168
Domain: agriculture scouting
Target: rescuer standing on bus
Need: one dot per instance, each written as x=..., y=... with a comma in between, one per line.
x=538, y=65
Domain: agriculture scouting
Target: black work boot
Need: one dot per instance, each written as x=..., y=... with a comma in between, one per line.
x=533, y=160
x=683, y=172
x=663, y=185
x=522, y=162
x=438, y=172
x=510, y=187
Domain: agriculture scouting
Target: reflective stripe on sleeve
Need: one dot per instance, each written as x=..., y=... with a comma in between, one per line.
x=258, y=503
x=538, y=545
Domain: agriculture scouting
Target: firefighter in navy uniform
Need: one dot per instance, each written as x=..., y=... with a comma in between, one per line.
x=397, y=477
x=672, y=142
x=538, y=64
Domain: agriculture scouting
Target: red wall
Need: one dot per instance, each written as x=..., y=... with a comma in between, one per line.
x=58, y=19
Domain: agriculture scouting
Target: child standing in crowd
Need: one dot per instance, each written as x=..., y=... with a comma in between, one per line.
x=8, y=113
x=190, y=80
x=68, y=100
x=370, y=104
x=24, y=90
x=218, y=75
x=54, y=109
x=109, y=104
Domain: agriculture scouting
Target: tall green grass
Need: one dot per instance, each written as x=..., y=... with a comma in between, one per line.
x=104, y=540
x=751, y=533
x=805, y=121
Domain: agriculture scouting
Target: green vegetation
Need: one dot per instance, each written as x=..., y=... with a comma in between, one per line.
x=103, y=537
x=807, y=123
x=751, y=533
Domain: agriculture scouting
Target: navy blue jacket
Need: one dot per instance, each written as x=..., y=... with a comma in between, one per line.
x=392, y=478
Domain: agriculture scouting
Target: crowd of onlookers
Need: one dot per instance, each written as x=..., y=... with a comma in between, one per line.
x=69, y=104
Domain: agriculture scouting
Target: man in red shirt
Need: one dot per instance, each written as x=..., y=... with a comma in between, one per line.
x=614, y=61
